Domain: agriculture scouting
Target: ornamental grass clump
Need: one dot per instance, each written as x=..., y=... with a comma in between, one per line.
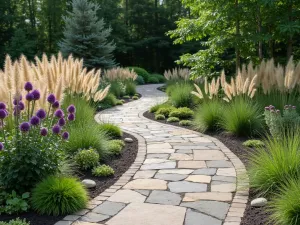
x=113, y=131
x=32, y=149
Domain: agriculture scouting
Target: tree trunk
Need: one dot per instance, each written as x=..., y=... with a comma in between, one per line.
x=237, y=49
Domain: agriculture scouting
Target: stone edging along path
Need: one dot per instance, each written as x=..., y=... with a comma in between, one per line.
x=180, y=177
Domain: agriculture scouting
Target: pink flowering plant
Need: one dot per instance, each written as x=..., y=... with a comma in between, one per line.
x=33, y=149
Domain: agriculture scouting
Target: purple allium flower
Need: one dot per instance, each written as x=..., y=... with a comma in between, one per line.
x=36, y=94
x=28, y=86
x=1, y=146
x=34, y=121
x=65, y=135
x=21, y=106
x=267, y=108
x=293, y=107
x=272, y=107
x=55, y=105
x=2, y=105
x=59, y=113
x=44, y=131
x=41, y=114
x=56, y=129
x=25, y=127
x=61, y=122
x=71, y=117
x=71, y=109
x=3, y=114
x=51, y=98
x=29, y=97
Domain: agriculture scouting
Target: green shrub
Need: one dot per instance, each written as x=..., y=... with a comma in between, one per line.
x=103, y=171
x=12, y=203
x=165, y=110
x=119, y=102
x=161, y=78
x=242, y=118
x=15, y=222
x=153, y=80
x=156, y=107
x=271, y=166
x=119, y=142
x=126, y=97
x=109, y=100
x=140, y=80
x=141, y=72
x=254, y=143
x=87, y=158
x=130, y=88
x=208, y=116
x=115, y=148
x=284, y=206
x=59, y=196
x=182, y=113
x=180, y=95
x=160, y=117
x=135, y=97
x=113, y=131
x=173, y=119
x=116, y=88
x=185, y=123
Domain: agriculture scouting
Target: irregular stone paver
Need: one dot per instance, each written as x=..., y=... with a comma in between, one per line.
x=195, y=218
x=168, y=155
x=149, y=214
x=164, y=198
x=213, y=208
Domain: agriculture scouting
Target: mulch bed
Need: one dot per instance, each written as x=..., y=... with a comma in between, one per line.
x=252, y=215
x=120, y=165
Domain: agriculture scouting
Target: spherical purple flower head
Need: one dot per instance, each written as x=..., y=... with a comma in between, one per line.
x=272, y=107
x=35, y=121
x=41, y=114
x=56, y=129
x=44, y=131
x=29, y=97
x=55, y=105
x=51, y=98
x=21, y=106
x=36, y=95
x=61, y=122
x=71, y=117
x=28, y=86
x=1, y=146
x=71, y=109
x=3, y=114
x=267, y=108
x=2, y=105
x=25, y=127
x=59, y=113
x=294, y=107
x=65, y=135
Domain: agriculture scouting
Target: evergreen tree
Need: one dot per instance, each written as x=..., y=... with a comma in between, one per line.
x=85, y=36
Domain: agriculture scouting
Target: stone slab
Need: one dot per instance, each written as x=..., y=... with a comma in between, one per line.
x=205, y=171
x=185, y=186
x=213, y=196
x=94, y=217
x=109, y=208
x=127, y=196
x=147, y=184
x=209, y=155
x=170, y=177
x=144, y=174
x=191, y=164
x=199, y=178
x=196, y=218
x=157, y=166
x=176, y=171
x=164, y=198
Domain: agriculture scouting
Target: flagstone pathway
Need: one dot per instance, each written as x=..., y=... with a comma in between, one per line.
x=180, y=177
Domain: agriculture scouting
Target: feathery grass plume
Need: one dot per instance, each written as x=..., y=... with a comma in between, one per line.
x=120, y=74
x=177, y=74
x=211, y=89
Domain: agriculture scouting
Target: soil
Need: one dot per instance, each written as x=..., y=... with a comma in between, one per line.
x=120, y=165
x=252, y=215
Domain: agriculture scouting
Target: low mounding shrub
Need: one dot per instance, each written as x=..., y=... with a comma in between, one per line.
x=161, y=78
x=242, y=118
x=130, y=88
x=165, y=110
x=153, y=80
x=120, y=102
x=116, y=88
x=271, y=166
x=156, y=107
x=141, y=72
x=59, y=196
x=160, y=117
x=208, y=116
x=135, y=98
x=126, y=97
x=87, y=158
x=119, y=142
x=140, y=80
x=115, y=147
x=103, y=171
x=173, y=119
x=180, y=94
x=113, y=131
x=254, y=143
x=15, y=222
x=285, y=207
x=185, y=123
x=182, y=113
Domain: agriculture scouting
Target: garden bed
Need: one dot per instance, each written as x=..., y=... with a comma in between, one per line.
x=120, y=165
x=253, y=215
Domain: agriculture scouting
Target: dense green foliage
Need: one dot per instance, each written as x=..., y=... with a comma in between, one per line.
x=87, y=158
x=130, y=88
x=180, y=94
x=115, y=147
x=160, y=117
x=254, y=143
x=59, y=196
x=173, y=119
x=103, y=171
x=165, y=110
x=182, y=113
x=185, y=123
x=12, y=203
x=113, y=131
x=15, y=222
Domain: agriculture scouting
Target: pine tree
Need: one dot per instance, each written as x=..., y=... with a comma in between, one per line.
x=85, y=36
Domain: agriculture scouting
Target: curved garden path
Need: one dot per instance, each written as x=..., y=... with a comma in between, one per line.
x=180, y=177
